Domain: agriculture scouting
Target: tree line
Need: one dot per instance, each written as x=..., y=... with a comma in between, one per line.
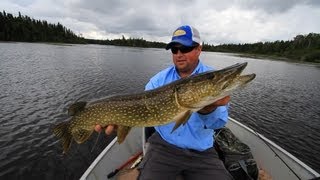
x=132, y=42
x=25, y=29
x=301, y=48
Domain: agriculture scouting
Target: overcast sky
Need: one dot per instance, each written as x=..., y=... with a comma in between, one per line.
x=219, y=21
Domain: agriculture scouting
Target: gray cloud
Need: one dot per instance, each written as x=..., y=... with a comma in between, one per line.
x=235, y=21
x=269, y=6
x=274, y=6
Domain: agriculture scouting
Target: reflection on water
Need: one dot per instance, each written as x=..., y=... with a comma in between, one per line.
x=39, y=81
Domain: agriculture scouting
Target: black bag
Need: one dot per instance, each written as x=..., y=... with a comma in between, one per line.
x=236, y=155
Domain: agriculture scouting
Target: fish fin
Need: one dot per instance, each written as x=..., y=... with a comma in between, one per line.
x=181, y=118
x=62, y=132
x=76, y=107
x=81, y=135
x=122, y=133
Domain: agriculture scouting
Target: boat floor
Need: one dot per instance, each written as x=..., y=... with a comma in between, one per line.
x=129, y=173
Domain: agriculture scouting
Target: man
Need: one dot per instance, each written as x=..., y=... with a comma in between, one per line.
x=188, y=151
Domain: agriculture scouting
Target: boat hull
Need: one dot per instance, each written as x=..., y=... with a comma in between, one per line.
x=277, y=162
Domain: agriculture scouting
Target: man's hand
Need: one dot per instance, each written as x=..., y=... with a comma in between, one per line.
x=108, y=130
x=221, y=102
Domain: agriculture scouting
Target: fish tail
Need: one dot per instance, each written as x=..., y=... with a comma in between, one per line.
x=65, y=136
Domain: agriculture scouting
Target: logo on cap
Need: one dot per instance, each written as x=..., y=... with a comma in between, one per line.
x=179, y=32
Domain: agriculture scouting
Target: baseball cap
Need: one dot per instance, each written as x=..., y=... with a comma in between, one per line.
x=185, y=35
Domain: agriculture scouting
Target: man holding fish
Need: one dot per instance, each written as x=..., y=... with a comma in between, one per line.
x=188, y=150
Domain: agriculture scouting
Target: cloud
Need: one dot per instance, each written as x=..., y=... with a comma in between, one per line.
x=235, y=21
x=238, y=25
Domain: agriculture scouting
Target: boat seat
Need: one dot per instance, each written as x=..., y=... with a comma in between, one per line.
x=148, y=132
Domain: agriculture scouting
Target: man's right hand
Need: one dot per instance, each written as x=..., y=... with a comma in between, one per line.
x=210, y=108
x=108, y=130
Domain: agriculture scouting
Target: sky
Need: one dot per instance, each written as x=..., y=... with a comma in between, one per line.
x=218, y=21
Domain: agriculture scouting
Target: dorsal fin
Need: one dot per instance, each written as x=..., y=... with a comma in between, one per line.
x=76, y=107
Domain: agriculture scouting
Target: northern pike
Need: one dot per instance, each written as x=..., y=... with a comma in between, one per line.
x=175, y=101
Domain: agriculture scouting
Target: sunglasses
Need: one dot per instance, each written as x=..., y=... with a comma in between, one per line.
x=182, y=49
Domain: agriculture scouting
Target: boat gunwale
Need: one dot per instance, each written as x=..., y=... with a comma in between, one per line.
x=97, y=160
x=277, y=147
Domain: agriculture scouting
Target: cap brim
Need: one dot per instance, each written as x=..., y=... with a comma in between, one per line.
x=184, y=42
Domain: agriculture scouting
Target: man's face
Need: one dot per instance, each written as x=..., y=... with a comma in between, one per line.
x=185, y=61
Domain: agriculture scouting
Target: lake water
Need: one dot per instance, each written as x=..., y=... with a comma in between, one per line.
x=39, y=81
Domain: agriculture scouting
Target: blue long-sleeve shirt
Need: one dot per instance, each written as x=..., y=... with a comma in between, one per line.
x=197, y=133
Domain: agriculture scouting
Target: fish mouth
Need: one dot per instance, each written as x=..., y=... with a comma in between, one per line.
x=230, y=77
x=247, y=78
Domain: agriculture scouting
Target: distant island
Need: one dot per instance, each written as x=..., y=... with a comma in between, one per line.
x=303, y=48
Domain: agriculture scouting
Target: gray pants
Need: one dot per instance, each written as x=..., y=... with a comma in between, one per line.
x=164, y=161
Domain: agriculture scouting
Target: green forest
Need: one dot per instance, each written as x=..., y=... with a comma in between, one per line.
x=304, y=48
x=25, y=29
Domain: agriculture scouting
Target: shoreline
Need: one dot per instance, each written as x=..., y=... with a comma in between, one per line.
x=275, y=58
x=246, y=55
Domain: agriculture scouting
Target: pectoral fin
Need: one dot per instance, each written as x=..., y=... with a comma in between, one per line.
x=81, y=135
x=122, y=133
x=181, y=118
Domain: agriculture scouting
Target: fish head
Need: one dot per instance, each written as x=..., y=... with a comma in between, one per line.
x=206, y=88
x=227, y=80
